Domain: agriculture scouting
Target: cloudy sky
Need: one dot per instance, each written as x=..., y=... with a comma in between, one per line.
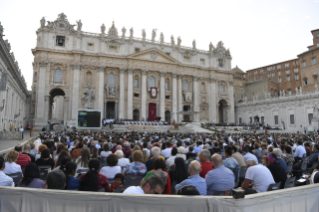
x=257, y=32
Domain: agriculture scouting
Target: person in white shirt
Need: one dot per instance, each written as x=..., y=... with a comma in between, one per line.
x=300, y=150
x=152, y=185
x=4, y=179
x=257, y=179
x=122, y=162
x=112, y=168
x=22, y=131
x=166, y=153
x=171, y=160
x=10, y=166
x=106, y=151
x=145, y=145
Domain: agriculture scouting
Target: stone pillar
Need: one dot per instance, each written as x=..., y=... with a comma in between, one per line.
x=75, y=92
x=47, y=108
x=122, y=98
x=100, y=96
x=162, y=95
x=130, y=94
x=174, y=98
x=66, y=110
x=40, y=108
x=212, y=100
x=143, y=99
x=231, y=112
x=180, y=97
x=116, y=110
x=195, y=99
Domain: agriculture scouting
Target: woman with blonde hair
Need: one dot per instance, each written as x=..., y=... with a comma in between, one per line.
x=83, y=162
x=10, y=166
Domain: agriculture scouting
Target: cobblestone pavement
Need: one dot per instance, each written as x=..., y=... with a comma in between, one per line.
x=5, y=144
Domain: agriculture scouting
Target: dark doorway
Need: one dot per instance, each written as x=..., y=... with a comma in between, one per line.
x=186, y=108
x=222, y=111
x=136, y=115
x=110, y=110
x=152, y=111
x=167, y=116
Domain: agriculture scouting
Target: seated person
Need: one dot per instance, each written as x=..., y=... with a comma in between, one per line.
x=136, y=167
x=153, y=185
x=45, y=159
x=257, y=179
x=118, y=182
x=10, y=166
x=55, y=180
x=31, y=177
x=23, y=159
x=72, y=183
x=112, y=168
x=4, y=179
x=278, y=172
x=248, y=155
x=313, y=158
x=188, y=190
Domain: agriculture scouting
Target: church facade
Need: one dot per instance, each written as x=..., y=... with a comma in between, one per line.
x=127, y=77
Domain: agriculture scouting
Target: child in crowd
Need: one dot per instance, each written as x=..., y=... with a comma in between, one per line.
x=118, y=182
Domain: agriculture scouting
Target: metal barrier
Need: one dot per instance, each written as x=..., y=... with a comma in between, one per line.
x=4, y=153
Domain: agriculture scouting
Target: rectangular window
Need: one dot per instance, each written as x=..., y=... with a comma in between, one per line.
x=255, y=72
x=137, y=49
x=310, y=116
x=113, y=48
x=262, y=119
x=287, y=78
x=279, y=73
x=276, y=120
x=256, y=78
x=202, y=61
x=220, y=63
x=296, y=63
x=278, y=66
x=168, y=53
x=273, y=74
x=136, y=95
x=167, y=97
x=292, y=119
x=135, y=83
x=245, y=76
x=90, y=46
x=313, y=61
x=279, y=79
x=297, y=77
x=317, y=44
x=60, y=41
x=288, y=72
x=250, y=120
x=287, y=65
x=239, y=120
x=304, y=64
x=296, y=70
x=249, y=80
x=187, y=59
x=262, y=71
x=249, y=74
x=166, y=86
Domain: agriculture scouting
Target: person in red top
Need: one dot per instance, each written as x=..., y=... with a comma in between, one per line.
x=23, y=159
x=118, y=182
x=204, y=156
x=93, y=180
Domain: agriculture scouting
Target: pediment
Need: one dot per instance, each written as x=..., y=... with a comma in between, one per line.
x=154, y=55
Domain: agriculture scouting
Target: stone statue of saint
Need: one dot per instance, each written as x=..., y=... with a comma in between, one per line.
x=79, y=25
x=280, y=93
x=103, y=29
x=283, y=93
x=269, y=95
x=316, y=87
x=211, y=47
x=296, y=90
x=162, y=37
x=172, y=41
x=143, y=34
x=131, y=32
x=123, y=32
x=179, y=41
x=300, y=90
x=89, y=97
x=153, y=35
x=42, y=22
x=194, y=44
x=315, y=111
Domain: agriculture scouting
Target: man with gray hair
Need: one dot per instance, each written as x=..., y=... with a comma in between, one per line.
x=26, y=151
x=206, y=166
x=156, y=151
x=122, y=162
x=257, y=179
x=281, y=161
x=194, y=179
x=221, y=178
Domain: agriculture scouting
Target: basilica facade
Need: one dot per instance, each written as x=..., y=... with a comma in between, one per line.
x=128, y=76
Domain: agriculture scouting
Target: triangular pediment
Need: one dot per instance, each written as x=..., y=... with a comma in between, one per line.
x=153, y=54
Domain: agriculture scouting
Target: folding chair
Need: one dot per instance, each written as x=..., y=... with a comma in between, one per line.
x=132, y=180
x=289, y=168
x=223, y=193
x=16, y=177
x=314, y=165
x=290, y=182
x=103, y=161
x=273, y=187
x=242, y=173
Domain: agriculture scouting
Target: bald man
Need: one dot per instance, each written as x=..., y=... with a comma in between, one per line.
x=194, y=179
x=219, y=179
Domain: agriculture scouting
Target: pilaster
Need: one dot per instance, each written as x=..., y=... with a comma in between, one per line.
x=143, y=99
x=130, y=94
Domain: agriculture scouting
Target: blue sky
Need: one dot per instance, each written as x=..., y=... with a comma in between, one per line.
x=258, y=32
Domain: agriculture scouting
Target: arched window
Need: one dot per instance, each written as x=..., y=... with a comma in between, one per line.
x=89, y=77
x=136, y=82
x=58, y=75
x=167, y=84
x=152, y=82
x=221, y=89
x=186, y=85
x=111, y=79
x=203, y=87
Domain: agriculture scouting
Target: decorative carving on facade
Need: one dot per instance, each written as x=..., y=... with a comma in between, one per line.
x=194, y=44
x=79, y=23
x=103, y=28
x=153, y=54
x=89, y=97
x=179, y=41
x=123, y=32
x=1, y=30
x=112, y=90
x=187, y=96
x=143, y=35
x=153, y=35
x=131, y=33
x=61, y=24
x=8, y=45
x=112, y=32
x=43, y=64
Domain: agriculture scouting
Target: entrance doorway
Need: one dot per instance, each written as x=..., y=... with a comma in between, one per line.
x=167, y=116
x=186, y=108
x=56, y=106
x=151, y=111
x=222, y=111
x=110, y=110
x=136, y=115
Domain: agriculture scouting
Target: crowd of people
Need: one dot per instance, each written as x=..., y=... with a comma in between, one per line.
x=166, y=163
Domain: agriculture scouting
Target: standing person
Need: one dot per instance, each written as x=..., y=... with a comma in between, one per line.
x=22, y=131
x=31, y=128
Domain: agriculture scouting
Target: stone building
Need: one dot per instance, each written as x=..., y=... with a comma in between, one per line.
x=239, y=84
x=14, y=97
x=126, y=76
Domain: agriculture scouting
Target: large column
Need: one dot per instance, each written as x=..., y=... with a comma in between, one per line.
x=75, y=91
x=66, y=110
x=180, y=97
x=231, y=112
x=213, y=103
x=122, y=98
x=100, y=97
x=143, y=99
x=174, y=97
x=195, y=99
x=47, y=108
x=130, y=94
x=162, y=96
x=40, y=108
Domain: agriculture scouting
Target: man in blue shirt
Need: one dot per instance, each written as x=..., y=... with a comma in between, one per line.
x=194, y=179
x=300, y=150
x=248, y=155
x=313, y=158
x=221, y=178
